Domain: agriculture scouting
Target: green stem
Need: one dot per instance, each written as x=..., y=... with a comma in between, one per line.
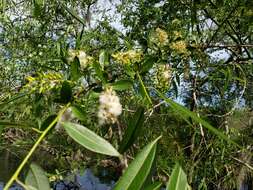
x=144, y=88
x=21, y=166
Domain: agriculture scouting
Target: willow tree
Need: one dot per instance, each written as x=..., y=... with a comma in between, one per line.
x=198, y=53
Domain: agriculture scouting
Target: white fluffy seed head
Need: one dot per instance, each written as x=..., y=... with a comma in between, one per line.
x=109, y=108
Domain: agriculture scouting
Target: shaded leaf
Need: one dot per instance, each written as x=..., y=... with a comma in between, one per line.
x=12, y=124
x=137, y=172
x=89, y=139
x=66, y=92
x=154, y=186
x=78, y=112
x=133, y=130
x=75, y=69
x=36, y=178
x=178, y=179
x=99, y=71
x=47, y=122
x=16, y=97
x=122, y=85
x=148, y=64
x=38, y=8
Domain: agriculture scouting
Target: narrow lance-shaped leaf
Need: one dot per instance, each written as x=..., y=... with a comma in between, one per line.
x=66, y=92
x=12, y=124
x=133, y=129
x=122, y=85
x=178, y=179
x=89, y=139
x=75, y=69
x=184, y=113
x=99, y=71
x=1, y=129
x=103, y=59
x=14, y=98
x=36, y=178
x=137, y=172
x=154, y=186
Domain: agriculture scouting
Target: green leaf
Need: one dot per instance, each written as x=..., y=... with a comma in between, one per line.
x=148, y=64
x=133, y=130
x=12, y=124
x=154, y=186
x=103, y=58
x=184, y=113
x=66, y=92
x=98, y=69
x=89, y=139
x=143, y=90
x=137, y=172
x=122, y=85
x=36, y=178
x=178, y=179
x=1, y=130
x=47, y=122
x=75, y=69
x=14, y=98
x=78, y=112
x=38, y=8
x=73, y=13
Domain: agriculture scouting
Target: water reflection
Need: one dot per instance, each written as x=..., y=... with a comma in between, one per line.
x=85, y=181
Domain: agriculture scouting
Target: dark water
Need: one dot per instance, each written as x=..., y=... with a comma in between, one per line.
x=79, y=181
x=86, y=181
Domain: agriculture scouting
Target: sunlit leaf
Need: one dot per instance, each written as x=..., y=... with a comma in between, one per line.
x=103, y=58
x=89, y=139
x=137, y=172
x=36, y=178
x=178, y=179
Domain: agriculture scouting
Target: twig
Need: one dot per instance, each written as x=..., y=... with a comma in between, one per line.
x=244, y=163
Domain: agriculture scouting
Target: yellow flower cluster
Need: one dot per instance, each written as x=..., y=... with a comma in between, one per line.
x=177, y=34
x=162, y=36
x=43, y=82
x=128, y=57
x=163, y=76
x=179, y=47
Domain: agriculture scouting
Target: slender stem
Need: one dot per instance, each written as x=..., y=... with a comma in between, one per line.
x=144, y=88
x=21, y=166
